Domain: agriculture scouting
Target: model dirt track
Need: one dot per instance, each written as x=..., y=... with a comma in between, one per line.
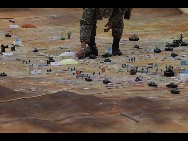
x=58, y=102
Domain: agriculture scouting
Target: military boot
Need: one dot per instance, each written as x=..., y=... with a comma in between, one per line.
x=91, y=49
x=115, y=47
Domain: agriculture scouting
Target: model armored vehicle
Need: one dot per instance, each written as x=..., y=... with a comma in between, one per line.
x=134, y=38
x=137, y=47
x=107, y=55
x=88, y=78
x=106, y=81
x=157, y=50
x=92, y=56
x=107, y=60
x=169, y=72
x=172, y=85
x=174, y=55
x=7, y=35
x=152, y=84
x=35, y=50
x=176, y=43
x=175, y=91
x=169, y=48
x=133, y=71
x=3, y=74
x=50, y=60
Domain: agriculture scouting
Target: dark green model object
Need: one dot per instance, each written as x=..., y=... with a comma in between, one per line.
x=3, y=74
x=157, y=50
x=133, y=71
x=152, y=84
x=106, y=81
x=107, y=55
x=175, y=91
x=134, y=38
x=172, y=85
x=88, y=78
x=169, y=48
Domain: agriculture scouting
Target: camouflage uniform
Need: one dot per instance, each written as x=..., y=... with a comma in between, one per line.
x=89, y=19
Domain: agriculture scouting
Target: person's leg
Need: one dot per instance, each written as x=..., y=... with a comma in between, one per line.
x=86, y=24
x=92, y=49
x=117, y=31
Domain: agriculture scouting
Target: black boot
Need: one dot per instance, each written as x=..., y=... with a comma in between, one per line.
x=115, y=47
x=91, y=49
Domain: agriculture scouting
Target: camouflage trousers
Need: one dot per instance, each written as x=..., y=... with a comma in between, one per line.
x=88, y=26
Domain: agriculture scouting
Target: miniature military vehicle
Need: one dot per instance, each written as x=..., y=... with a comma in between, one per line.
x=137, y=47
x=62, y=38
x=50, y=60
x=106, y=81
x=107, y=60
x=133, y=71
x=88, y=78
x=176, y=43
x=157, y=50
x=175, y=91
x=174, y=55
x=3, y=74
x=134, y=38
x=169, y=71
x=35, y=50
x=172, y=85
x=152, y=84
x=169, y=48
x=107, y=55
x=92, y=56
x=7, y=35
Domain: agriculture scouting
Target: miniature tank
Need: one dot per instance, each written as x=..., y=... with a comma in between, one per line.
x=107, y=60
x=3, y=74
x=88, y=78
x=174, y=55
x=169, y=72
x=62, y=38
x=157, y=50
x=92, y=56
x=133, y=71
x=175, y=91
x=137, y=47
x=107, y=55
x=7, y=35
x=106, y=81
x=172, y=85
x=134, y=38
x=35, y=50
x=169, y=48
x=152, y=84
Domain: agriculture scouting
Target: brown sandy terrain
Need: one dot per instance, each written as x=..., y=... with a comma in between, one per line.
x=34, y=103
